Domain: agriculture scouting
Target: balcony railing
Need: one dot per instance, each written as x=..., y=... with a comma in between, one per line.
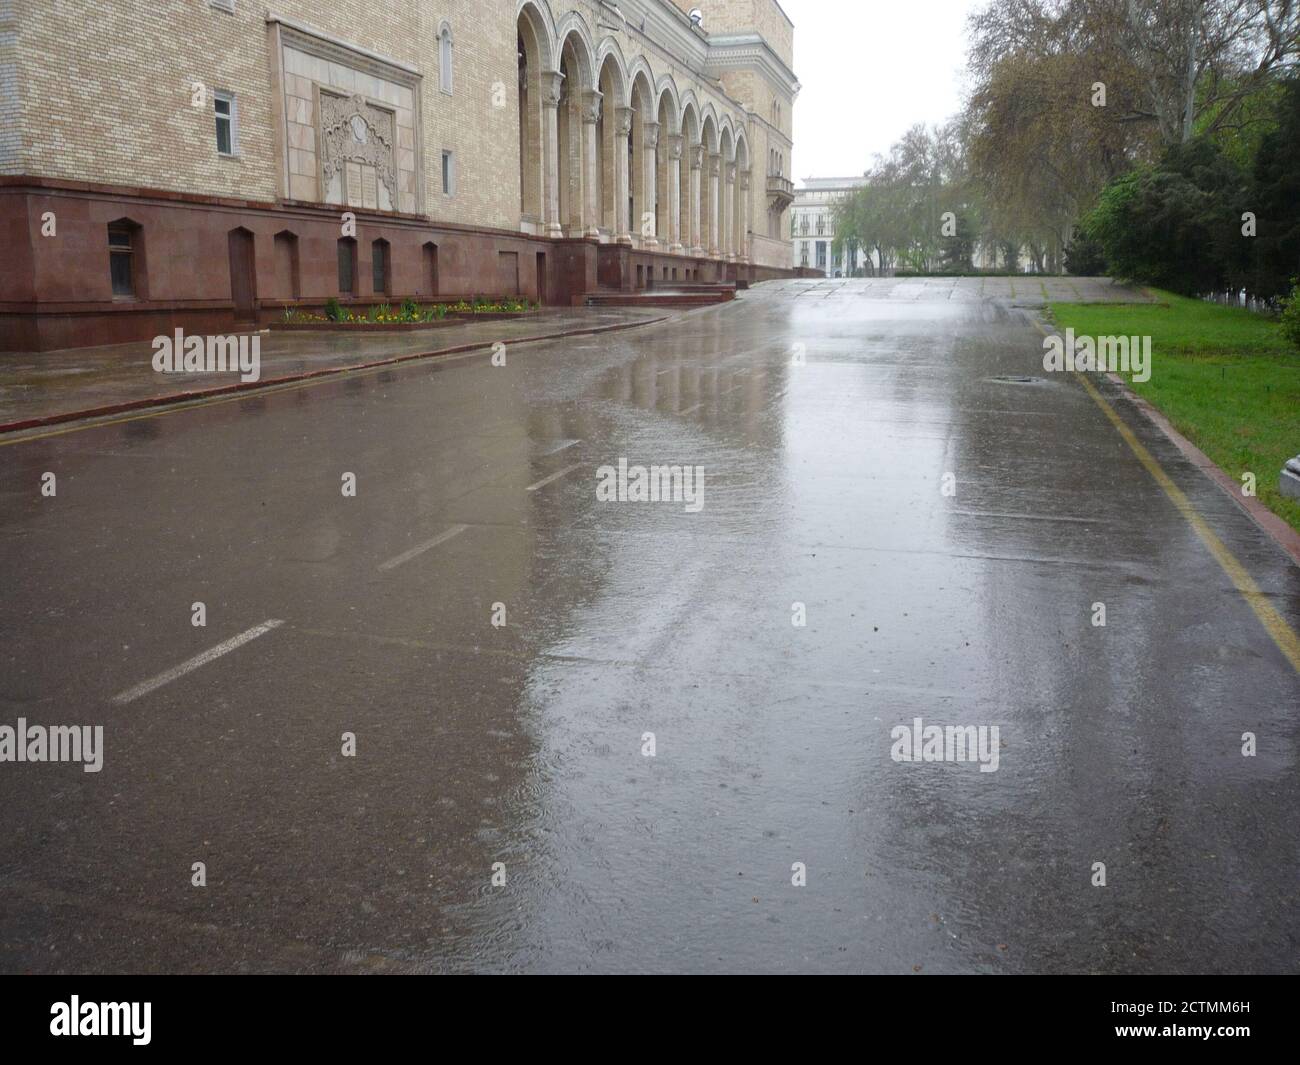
x=781, y=190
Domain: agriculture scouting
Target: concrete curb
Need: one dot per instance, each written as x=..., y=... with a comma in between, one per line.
x=270, y=382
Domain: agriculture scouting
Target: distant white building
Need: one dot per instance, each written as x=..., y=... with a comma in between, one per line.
x=813, y=225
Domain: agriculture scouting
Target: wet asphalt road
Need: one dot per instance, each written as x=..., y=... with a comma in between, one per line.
x=522, y=744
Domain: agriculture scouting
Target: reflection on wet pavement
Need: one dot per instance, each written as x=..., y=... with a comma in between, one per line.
x=505, y=674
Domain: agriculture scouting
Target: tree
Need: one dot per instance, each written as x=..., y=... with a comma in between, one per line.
x=1084, y=255
x=1275, y=198
x=899, y=213
x=1070, y=94
x=1203, y=58
x=1176, y=224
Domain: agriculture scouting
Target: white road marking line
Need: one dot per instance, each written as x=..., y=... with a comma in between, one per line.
x=692, y=410
x=420, y=549
x=662, y=372
x=553, y=477
x=563, y=445
x=131, y=694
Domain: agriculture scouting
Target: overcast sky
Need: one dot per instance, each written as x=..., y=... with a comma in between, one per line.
x=869, y=70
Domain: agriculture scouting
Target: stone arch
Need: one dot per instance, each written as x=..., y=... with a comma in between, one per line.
x=575, y=142
x=638, y=69
x=667, y=206
x=613, y=132
x=690, y=103
x=709, y=181
x=727, y=134
x=692, y=174
x=743, y=196
x=572, y=30
x=539, y=18
x=726, y=189
x=709, y=115
x=610, y=61
x=666, y=89
x=537, y=77
x=642, y=156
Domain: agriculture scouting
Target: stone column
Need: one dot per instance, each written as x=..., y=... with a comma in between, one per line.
x=729, y=214
x=590, y=166
x=715, y=169
x=693, y=238
x=622, y=130
x=675, y=193
x=742, y=220
x=551, y=84
x=649, y=174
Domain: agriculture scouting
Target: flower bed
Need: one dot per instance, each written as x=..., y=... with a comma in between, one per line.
x=382, y=317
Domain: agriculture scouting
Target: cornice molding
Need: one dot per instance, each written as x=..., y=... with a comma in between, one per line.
x=318, y=43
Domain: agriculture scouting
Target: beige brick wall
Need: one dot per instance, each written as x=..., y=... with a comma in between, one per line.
x=10, y=103
x=106, y=93
x=763, y=16
x=108, y=86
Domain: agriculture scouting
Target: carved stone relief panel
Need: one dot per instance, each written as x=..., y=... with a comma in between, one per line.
x=358, y=152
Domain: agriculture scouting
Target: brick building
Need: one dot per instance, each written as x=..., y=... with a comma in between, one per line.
x=190, y=162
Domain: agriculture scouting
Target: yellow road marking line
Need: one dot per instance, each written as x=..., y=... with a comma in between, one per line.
x=1274, y=623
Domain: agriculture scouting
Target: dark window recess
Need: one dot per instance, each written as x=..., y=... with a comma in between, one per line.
x=121, y=257
x=347, y=266
x=380, y=262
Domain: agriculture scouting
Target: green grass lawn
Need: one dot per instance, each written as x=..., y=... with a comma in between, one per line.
x=1226, y=378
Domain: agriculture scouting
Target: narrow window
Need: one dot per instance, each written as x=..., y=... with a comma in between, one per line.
x=431, y=269
x=347, y=266
x=379, y=264
x=121, y=260
x=227, y=123
x=448, y=174
x=444, y=59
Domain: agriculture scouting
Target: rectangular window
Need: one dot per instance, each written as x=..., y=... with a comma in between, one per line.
x=227, y=123
x=379, y=263
x=224, y=5
x=821, y=255
x=121, y=261
x=448, y=174
x=347, y=266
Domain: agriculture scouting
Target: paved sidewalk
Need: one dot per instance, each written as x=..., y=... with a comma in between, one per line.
x=45, y=387
x=1022, y=290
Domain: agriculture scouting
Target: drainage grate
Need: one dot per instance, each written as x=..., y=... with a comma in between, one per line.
x=1017, y=379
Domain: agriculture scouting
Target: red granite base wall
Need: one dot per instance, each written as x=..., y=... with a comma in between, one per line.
x=56, y=290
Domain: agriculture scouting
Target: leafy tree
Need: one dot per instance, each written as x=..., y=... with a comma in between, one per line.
x=1275, y=198
x=1084, y=255
x=1175, y=224
x=1291, y=314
